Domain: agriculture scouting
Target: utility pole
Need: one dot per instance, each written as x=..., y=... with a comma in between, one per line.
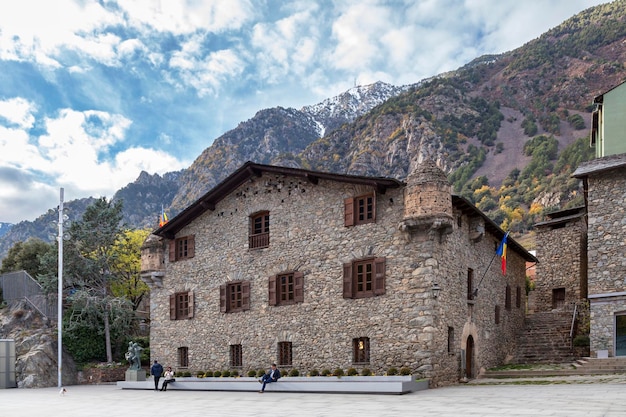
x=60, y=295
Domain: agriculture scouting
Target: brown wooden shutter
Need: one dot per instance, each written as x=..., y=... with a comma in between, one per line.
x=348, y=205
x=347, y=280
x=223, y=306
x=173, y=250
x=191, y=246
x=272, y=299
x=379, y=277
x=190, y=313
x=245, y=290
x=298, y=287
x=173, y=307
x=374, y=207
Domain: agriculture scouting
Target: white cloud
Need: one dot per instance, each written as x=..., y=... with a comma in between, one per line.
x=18, y=111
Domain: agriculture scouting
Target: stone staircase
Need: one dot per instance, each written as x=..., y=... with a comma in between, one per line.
x=580, y=367
x=546, y=338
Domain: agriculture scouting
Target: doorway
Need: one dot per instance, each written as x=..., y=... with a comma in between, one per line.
x=469, y=355
x=620, y=335
x=558, y=297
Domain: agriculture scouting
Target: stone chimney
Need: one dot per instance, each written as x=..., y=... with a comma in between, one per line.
x=153, y=261
x=427, y=200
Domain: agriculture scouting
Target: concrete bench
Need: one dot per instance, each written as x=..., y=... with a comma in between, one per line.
x=319, y=384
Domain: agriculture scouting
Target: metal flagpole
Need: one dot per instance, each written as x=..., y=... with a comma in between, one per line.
x=485, y=273
x=60, y=294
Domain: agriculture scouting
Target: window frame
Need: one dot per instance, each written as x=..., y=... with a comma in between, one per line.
x=285, y=353
x=351, y=278
x=259, y=235
x=507, y=297
x=353, y=215
x=226, y=296
x=183, y=356
x=470, y=284
x=361, y=353
x=181, y=248
x=278, y=296
x=236, y=356
x=181, y=305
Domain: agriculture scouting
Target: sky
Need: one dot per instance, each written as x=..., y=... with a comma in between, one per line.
x=94, y=92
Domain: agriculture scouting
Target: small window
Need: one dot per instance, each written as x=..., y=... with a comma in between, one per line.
x=470, y=284
x=181, y=306
x=360, y=210
x=518, y=297
x=259, y=230
x=507, y=297
x=183, y=357
x=285, y=289
x=235, y=296
x=285, y=353
x=236, y=356
x=182, y=248
x=364, y=278
x=497, y=314
x=361, y=350
x=450, y=339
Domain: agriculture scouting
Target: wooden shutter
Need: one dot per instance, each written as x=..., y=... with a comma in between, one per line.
x=190, y=300
x=348, y=209
x=347, y=280
x=298, y=287
x=379, y=277
x=173, y=307
x=223, y=305
x=173, y=250
x=374, y=207
x=272, y=290
x=191, y=246
x=245, y=300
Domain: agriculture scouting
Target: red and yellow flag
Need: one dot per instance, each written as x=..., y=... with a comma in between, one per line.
x=163, y=218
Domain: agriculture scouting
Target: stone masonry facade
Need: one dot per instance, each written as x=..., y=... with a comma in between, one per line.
x=405, y=325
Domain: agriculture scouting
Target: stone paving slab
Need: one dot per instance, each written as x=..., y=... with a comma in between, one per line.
x=567, y=400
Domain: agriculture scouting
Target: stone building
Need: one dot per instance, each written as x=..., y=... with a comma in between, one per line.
x=314, y=270
x=562, y=247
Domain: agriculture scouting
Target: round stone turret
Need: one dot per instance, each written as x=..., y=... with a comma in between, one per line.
x=153, y=261
x=427, y=198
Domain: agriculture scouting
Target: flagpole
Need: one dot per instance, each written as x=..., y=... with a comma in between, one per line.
x=500, y=251
x=475, y=293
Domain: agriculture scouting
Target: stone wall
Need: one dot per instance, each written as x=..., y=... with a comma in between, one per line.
x=406, y=326
x=560, y=250
x=607, y=251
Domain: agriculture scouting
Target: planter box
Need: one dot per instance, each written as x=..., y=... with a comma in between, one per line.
x=317, y=384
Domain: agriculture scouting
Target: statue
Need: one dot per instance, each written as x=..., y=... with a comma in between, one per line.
x=133, y=355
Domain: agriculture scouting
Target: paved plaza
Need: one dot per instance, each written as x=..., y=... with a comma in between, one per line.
x=563, y=399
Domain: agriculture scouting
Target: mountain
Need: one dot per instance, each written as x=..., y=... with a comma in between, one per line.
x=4, y=228
x=508, y=129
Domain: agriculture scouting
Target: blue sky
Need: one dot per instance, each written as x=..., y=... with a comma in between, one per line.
x=94, y=92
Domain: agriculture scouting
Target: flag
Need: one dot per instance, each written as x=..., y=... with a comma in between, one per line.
x=501, y=252
x=163, y=218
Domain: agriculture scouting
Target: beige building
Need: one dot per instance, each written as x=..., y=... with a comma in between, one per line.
x=314, y=270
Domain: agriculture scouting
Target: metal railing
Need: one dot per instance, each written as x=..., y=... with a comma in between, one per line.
x=21, y=286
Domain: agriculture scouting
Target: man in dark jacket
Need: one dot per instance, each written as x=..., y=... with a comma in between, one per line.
x=271, y=376
x=156, y=371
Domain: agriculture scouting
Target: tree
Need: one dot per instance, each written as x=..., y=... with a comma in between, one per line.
x=27, y=256
x=127, y=267
x=90, y=269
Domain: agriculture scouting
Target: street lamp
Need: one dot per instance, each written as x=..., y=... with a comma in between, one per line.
x=60, y=295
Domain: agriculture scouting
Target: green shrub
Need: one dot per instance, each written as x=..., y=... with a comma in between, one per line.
x=326, y=372
x=234, y=373
x=314, y=372
x=352, y=372
x=366, y=372
x=178, y=374
x=260, y=373
x=226, y=374
x=208, y=374
x=200, y=374
x=251, y=373
x=338, y=372
x=294, y=372
x=186, y=374
x=405, y=371
x=392, y=371
x=217, y=374
x=581, y=340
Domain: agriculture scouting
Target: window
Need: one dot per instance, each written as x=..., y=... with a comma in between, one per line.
x=470, y=284
x=507, y=297
x=181, y=306
x=285, y=289
x=361, y=350
x=497, y=314
x=284, y=353
x=183, y=357
x=450, y=339
x=182, y=248
x=360, y=210
x=518, y=297
x=235, y=356
x=235, y=296
x=364, y=278
x=259, y=230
